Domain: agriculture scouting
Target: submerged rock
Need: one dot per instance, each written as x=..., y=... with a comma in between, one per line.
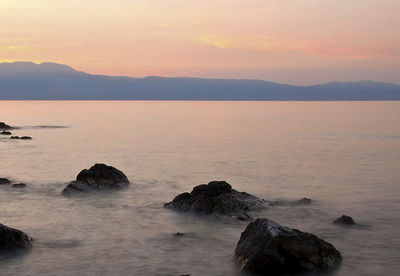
x=345, y=220
x=21, y=138
x=98, y=177
x=19, y=185
x=5, y=132
x=4, y=181
x=11, y=238
x=217, y=198
x=303, y=201
x=267, y=248
x=5, y=126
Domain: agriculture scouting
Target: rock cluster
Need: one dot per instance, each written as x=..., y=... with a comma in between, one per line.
x=267, y=248
x=217, y=197
x=98, y=177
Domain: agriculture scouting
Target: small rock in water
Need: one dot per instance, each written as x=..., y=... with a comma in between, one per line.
x=11, y=238
x=21, y=138
x=19, y=185
x=304, y=201
x=345, y=220
x=4, y=126
x=4, y=181
x=267, y=248
x=179, y=234
x=98, y=177
x=5, y=132
x=217, y=198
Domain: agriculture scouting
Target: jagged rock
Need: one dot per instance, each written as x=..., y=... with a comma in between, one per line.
x=21, y=138
x=19, y=185
x=11, y=238
x=345, y=220
x=5, y=126
x=4, y=181
x=5, y=132
x=267, y=248
x=98, y=177
x=217, y=198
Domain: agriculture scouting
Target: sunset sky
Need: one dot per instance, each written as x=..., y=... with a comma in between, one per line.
x=289, y=41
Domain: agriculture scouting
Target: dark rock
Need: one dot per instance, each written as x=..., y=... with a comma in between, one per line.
x=4, y=181
x=13, y=239
x=98, y=177
x=5, y=126
x=179, y=234
x=345, y=220
x=303, y=201
x=5, y=132
x=267, y=248
x=217, y=198
x=19, y=185
x=21, y=138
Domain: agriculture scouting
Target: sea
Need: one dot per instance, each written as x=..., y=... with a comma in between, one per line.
x=345, y=156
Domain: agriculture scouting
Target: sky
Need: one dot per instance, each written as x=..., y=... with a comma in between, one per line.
x=288, y=41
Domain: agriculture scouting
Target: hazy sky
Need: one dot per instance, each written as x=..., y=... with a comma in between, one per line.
x=291, y=41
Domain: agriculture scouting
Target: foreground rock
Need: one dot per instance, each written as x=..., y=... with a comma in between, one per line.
x=4, y=181
x=217, y=198
x=98, y=177
x=345, y=220
x=267, y=248
x=5, y=132
x=11, y=238
x=5, y=126
x=21, y=138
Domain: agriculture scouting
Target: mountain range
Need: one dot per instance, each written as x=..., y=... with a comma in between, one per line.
x=52, y=81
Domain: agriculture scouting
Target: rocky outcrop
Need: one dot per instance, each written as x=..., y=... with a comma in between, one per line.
x=4, y=181
x=21, y=138
x=5, y=133
x=98, y=177
x=217, y=198
x=267, y=248
x=5, y=126
x=11, y=238
x=344, y=220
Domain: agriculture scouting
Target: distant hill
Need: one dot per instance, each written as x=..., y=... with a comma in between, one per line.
x=51, y=81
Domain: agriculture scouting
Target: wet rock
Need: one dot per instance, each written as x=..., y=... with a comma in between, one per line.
x=11, y=238
x=179, y=234
x=21, y=138
x=5, y=126
x=5, y=132
x=4, y=181
x=98, y=177
x=217, y=198
x=303, y=201
x=267, y=248
x=344, y=220
x=19, y=185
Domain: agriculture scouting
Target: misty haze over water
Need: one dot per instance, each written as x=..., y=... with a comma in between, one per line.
x=343, y=155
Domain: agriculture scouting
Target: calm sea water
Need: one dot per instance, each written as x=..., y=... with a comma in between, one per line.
x=343, y=155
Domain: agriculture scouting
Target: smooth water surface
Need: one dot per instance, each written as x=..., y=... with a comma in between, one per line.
x=343, y=155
